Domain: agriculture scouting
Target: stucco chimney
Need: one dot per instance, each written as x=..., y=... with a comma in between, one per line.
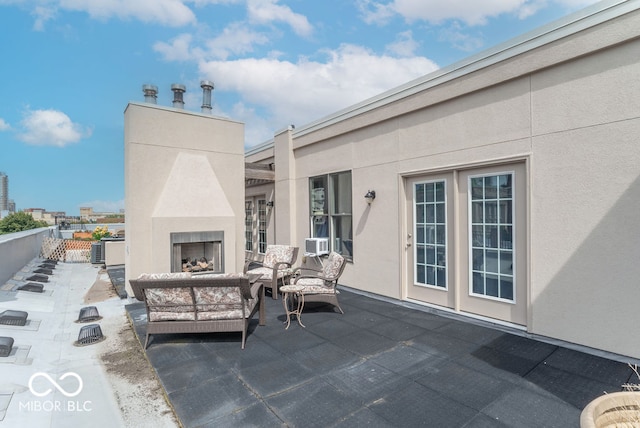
x=207, y=87
x=150, y=93
x=178, y=90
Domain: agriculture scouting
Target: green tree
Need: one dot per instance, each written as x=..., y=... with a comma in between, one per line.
x=17, y=222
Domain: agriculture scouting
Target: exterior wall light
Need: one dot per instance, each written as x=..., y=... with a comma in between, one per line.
x=370, y=196
x=270, y=204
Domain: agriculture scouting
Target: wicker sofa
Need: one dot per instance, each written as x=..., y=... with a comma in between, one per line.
x=189, y=303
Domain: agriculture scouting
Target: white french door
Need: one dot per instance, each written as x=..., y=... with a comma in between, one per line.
x=255, y=226
x=466, y=246
x=429, y=249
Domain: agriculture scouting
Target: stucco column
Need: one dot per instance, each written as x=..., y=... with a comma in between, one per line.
x=285, y=195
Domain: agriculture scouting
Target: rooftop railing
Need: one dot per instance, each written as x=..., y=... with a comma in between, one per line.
x=19, y=248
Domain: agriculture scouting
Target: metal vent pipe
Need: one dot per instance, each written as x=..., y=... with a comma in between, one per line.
x=150, y=93
x=207, y=88
x=178, y=90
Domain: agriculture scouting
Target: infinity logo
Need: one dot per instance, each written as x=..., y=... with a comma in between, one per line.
x=54, y=383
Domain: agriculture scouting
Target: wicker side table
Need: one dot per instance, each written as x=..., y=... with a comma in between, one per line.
x=291, y=293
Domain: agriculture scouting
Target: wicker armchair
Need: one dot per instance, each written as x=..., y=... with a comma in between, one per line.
x=320, y=286
x=276, y=266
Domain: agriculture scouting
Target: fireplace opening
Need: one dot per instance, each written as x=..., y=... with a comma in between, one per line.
x=197, y=252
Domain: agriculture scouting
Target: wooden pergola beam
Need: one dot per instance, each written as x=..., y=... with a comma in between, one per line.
x=256, y=171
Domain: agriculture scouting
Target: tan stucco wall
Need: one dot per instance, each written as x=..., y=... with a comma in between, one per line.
x=571, y=111
x=114, y=253
x=586, y=193
x=184, y=172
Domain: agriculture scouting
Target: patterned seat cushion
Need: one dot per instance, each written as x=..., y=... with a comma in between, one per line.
x=278, y=254
x=267, y=273
x=173, y=275
x=217, y=295
x=169, y=304
x=177, y=313
x=168, y=296
x=315, y=286
x=206, y=303
x=331, y=267
x=220, y=275
x=225, y=312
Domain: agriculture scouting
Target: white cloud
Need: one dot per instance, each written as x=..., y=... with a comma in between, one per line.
x=42, y=14
x=575, y=4
x=4, y=126
x=236, y=39
x=375, y=13
x=50, y=128
x=208, y=2
x=469, y=12
x=179, y=49
x=268, y=11
x=166, y=12
x=301, y=92
x=472, y=13
x=257, y=128
x=459, y=39
x=404, y=46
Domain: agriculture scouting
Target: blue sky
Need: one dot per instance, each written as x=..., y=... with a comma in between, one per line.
x=69, y=68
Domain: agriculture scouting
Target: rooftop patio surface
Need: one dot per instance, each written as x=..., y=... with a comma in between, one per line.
x=380, y=364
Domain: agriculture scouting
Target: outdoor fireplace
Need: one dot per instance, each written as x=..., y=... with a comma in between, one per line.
x=184, y=191
x=197, y=251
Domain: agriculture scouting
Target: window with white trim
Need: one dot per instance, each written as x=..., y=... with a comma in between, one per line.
x=331, y=211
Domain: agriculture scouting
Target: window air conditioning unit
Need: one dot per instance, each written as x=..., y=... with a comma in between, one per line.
x=317, y=246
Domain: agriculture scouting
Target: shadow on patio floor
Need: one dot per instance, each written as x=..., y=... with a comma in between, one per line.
x=380, y=364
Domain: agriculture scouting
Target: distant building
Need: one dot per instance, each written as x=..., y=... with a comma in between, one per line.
x=36, y=213
x=44, y=215
x=4, y=192
x=87, y=214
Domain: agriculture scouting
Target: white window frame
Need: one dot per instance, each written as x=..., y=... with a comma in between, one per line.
x=513, y=275
x=248, y=225
x=330, y=217
x=446, y=237
x=262, y=225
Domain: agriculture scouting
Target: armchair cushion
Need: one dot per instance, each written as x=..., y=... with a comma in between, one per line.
x=267, y=273
x=316, y=286
x=278, y=254
x=169, y=304
x=225, y=312
x=332, y=267
x=222, y=303
x=165, y=275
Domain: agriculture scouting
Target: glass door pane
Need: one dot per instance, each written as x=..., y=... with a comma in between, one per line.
x=491, y=226
x=262, y=226
x=248, y=225
x=430, y=231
